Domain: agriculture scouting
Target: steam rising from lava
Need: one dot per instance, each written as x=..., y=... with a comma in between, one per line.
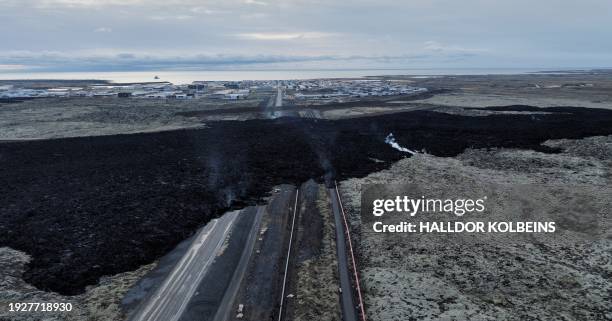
x=391, y=141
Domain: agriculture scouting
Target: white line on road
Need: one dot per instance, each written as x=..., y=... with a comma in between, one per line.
x=170, y=300
x=224, y=310
x=172, y=278
x=280, y=310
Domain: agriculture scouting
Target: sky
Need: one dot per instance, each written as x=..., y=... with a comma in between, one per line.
x=109, y=35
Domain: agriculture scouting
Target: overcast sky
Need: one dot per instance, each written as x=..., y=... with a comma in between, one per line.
x=233, y=34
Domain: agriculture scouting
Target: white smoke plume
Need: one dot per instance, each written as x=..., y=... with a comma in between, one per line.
x=391, y=141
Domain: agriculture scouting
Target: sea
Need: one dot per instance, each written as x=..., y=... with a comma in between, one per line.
x=187, y=77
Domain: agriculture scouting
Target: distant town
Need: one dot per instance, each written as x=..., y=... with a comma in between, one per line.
x=317, y=89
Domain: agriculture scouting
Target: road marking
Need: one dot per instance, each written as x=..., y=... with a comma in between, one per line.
x=363, y=316
x=181, y=280
x=280, y=310
x=171, y=279
x=224, y=310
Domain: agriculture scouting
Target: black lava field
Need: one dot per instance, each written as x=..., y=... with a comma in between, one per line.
x=93, y=206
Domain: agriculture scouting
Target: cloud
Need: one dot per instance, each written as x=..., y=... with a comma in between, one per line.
x=257, y=15
x=175, y=17
x=46, y=4
x=256, y=2
x=468, y=33
x=12, y=67
x=283, y=36
x=103, y=30
x=56, y=61
x=84, y=3
x=208, y=11
x=438, y=47
x=128, y=61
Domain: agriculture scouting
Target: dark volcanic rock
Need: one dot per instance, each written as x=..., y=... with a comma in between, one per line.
x=93, y=206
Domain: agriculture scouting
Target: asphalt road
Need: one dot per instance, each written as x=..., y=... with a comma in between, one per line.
x=229, y=298
x=273, y=103
x=169, y=301
x=349, y=312
x=279, y=97
x=288, y=259
x=261, y=288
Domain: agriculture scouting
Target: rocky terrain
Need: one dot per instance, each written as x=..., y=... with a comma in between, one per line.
x=74, y=117
x=579, y=89
x=69, y=204
x=72, y=203
x=438, y=279
x=317, y=295
x=99, y=302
